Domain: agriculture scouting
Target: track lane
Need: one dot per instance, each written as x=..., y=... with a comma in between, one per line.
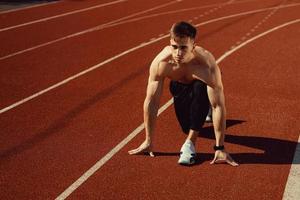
x=44, y=32
x=81, y=89
x=58, y=60
x=11, y=47
x=62, y=58
x=264, y=142
x=50, y=134
x=112, y=23
x=64, y=8
x=88, y=51
x=291, y=150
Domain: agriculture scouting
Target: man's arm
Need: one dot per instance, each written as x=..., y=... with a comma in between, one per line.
x=217, y=100
x=151, y=104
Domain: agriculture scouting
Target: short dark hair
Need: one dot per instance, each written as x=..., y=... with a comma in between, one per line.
x=183, y=29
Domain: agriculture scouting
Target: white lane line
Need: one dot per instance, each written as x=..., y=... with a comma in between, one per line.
x=195, y=8
x=214, y=9
x=292, y=188
x=114, y=23
x=135, y=14
x=28, y=7
x=125, y=141
x=211, y=10
x=107, y=157
x=5, y=109
x=96, y=28
x=248, y=13
x=143, y=12
x=256, y=37
x=78, y=75
x=62, y=15
x=247, y=35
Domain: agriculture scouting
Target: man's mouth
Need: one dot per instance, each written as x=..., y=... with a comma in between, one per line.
x=178, y=59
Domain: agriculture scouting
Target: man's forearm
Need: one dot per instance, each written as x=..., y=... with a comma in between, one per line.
x=150, y=115
x=219, y=122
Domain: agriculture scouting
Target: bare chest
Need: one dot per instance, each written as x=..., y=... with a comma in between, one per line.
x=186, y=73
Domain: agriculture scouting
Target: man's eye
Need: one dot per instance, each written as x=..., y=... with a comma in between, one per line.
x=175, y=47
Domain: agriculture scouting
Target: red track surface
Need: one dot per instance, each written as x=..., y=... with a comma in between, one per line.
x=49, y=142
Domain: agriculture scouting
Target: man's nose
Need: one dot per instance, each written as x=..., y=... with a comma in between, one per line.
x=179, y=52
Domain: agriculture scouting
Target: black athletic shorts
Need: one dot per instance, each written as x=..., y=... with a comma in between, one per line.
x=191, y=104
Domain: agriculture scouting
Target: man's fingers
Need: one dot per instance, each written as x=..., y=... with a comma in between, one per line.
x=214, y=160
x=232, y=162
x=151, y=154
x=134, y=151
x=139, y=150
x=223, y=159
x=219, y=161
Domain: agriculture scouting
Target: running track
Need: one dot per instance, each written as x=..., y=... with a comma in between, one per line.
x=73, y=78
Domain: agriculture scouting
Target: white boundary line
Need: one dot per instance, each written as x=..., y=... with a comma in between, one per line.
x=196, y=8
x=62, y=15
x=5, y=109
x=117, y=148
x=292, y=188
x=183, y=10
x=28, y=7
x=78, y=75
x=117, y=22
x=96, y=28
x=107, y=157
x=141, y=12
x=99, y=27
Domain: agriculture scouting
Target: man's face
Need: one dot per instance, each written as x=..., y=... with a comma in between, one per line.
x=181, y=48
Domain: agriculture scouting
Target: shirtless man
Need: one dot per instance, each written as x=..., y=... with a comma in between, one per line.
x=195, y=85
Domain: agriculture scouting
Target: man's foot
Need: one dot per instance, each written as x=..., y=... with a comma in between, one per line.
x=187, y=153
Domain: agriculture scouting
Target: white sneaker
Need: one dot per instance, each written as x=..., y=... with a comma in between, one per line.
x=187, y=153
x=209, y=116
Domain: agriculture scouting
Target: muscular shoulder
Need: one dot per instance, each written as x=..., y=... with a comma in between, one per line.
x=205, y=56
x=164, y=55
x=214, y=75
x=159, y=64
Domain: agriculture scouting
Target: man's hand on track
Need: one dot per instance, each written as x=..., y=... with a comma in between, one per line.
x=223, y=157
x=144, y=147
